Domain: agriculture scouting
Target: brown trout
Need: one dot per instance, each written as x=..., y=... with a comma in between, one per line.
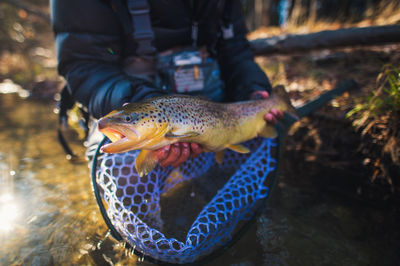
x=157, y=122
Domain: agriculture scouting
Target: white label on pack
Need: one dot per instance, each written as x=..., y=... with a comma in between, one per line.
x=189, y=79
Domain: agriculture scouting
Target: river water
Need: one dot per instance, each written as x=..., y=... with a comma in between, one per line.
x=48, y=215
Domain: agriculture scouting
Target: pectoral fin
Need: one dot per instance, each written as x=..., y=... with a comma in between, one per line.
x=186, y=135
x=238, y=148
x=219, y=156
x=268, y=132
x=145, y=162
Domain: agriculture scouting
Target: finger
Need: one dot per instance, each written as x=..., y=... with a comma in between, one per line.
x=279, y=115
x=196, y=149
x=259, y=95
x=162, y=153
x=273, y=111
x=270, y=118
x=173, y=155
x=264, y=94
x=185, y=153
x=276, y=113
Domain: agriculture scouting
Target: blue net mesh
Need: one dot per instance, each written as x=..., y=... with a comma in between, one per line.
x=149, y=212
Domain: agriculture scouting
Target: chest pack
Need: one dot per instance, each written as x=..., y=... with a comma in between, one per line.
x=191, y=72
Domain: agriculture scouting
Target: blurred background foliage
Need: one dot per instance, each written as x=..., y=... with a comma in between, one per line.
x=27, y=54
x=301, y=12
x=26, y=41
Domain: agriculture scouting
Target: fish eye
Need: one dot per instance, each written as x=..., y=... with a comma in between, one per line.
x=128, y=118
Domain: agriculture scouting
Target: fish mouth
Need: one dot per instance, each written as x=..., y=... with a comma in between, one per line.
x=120, y=140
x=113, y=135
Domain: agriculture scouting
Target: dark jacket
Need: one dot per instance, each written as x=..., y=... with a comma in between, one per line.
x=91, y=44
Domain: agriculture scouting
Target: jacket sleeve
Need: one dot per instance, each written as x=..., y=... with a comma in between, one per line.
x=239, y=71
x=89, y=50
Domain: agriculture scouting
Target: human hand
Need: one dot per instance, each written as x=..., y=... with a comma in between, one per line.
x=177, y=153
x=274, y=114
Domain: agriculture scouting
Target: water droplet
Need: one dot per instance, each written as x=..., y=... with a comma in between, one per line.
x=99, y=244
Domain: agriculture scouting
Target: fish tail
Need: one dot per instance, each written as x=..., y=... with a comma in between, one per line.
x=280, y=92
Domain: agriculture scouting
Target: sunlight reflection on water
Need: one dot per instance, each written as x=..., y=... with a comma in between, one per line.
x=9, y=207
x=9, y=212
x=48, y=214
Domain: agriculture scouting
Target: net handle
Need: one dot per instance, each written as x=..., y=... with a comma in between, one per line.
x=114, y=233
x=96, y=192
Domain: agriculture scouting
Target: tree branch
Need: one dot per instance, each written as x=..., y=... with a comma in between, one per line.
x=327, y=39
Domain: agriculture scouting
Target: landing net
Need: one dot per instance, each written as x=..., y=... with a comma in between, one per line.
x=180, y=215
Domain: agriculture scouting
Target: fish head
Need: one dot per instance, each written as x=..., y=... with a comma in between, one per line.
x=132, y=126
